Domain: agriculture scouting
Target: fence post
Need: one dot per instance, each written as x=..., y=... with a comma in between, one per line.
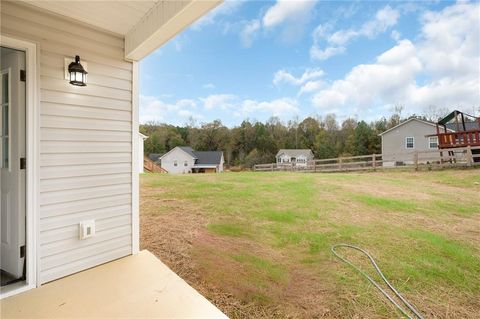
x=374, y=164
x=340, y=161
x=469, y=156
x=415, y=160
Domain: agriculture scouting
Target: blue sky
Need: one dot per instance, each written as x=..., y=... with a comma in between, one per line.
x=285, y=58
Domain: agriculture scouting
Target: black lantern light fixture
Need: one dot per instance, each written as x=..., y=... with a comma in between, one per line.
x=78, y=75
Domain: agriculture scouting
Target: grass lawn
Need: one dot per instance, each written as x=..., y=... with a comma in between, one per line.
x=258, y=244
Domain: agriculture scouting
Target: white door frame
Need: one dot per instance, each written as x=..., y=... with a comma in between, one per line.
x=33, y=163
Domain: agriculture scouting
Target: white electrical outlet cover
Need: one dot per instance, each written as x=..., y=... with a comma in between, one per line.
x=87, y=229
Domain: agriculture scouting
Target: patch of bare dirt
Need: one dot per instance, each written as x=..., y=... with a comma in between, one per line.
x=170, y=237
x=179, y=237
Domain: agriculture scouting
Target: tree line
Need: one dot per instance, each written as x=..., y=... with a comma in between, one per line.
x=254, y=142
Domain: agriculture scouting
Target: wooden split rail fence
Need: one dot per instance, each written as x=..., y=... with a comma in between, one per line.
x=431, y=159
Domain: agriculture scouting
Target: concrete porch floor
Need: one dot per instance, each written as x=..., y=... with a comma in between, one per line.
x=138, y=286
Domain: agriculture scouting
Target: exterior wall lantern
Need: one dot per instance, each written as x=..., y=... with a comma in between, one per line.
x=77, y=74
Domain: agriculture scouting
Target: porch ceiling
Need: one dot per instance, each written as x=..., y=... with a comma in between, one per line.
x=114, y=16
x=138, y=286
x=145, y=24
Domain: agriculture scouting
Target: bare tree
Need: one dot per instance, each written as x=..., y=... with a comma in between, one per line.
x=434, y=113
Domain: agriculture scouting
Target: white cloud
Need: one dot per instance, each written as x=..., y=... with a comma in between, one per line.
x=282, y=76
x=287, y=10
x=311, y=86
x=248, y=32
x=234, y=105
x=187, y=115
x=283, y=108
x=395, y=35
x=292, y=14
x=318, y=54
x=446, y=53
x=185, y=103
x=384, y=19
x=336, y=42
x=451, y=41
x=218, y=101
x=225, y=105
x=394, y=70
x=154, y=109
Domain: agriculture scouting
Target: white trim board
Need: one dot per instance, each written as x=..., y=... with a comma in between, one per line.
x=135, y=174
x=33, y=162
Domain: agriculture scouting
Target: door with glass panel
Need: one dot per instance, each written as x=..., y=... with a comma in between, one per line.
x=12, y=164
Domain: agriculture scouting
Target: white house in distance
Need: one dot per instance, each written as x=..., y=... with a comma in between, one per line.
x=400, y=142
x=183, y=160
x=141, y=141
x=298, y=157
x=69, y=150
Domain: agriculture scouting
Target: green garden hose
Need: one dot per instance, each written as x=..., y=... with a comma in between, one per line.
x=414, y=311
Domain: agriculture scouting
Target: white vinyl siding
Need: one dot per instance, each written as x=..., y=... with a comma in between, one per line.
x=394, y=150
x=174, y=162
x=85, y=142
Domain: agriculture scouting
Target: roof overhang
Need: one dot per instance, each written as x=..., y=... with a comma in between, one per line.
x=161, y=23
x=144, y=25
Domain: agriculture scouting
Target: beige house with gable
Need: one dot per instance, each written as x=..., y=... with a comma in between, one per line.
x=400, y=142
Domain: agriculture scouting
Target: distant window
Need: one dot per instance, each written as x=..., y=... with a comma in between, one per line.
x=175, y=163
x=409, y=142
x=433, y=142
x=279, y=160
x=185, y=163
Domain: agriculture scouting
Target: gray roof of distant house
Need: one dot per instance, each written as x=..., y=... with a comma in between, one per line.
x=201, y=158
x=188, y=150
x=155, y=157
x=208, y=157
x=295, y=152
